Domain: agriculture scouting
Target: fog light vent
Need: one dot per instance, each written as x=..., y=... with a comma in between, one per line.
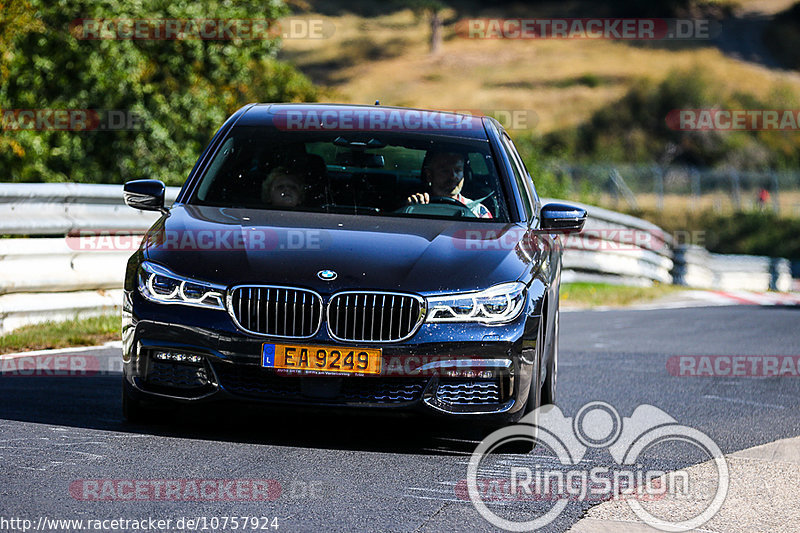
x=468, y=392
x=178, y=357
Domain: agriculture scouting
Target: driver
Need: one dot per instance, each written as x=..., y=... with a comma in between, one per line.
x=443, y=172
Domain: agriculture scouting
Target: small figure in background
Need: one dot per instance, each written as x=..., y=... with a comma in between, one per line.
x=763, y=198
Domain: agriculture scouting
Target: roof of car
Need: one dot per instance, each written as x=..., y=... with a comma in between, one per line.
x=348, y=117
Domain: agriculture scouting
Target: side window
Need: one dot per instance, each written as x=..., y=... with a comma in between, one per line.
x=531, y=186
x=519, y=175
x=224, y=154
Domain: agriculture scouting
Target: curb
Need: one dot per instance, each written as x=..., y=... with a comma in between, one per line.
x=762, y=496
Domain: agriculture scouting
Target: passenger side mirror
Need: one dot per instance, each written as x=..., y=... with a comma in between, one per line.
x=562, y=218
x=147, y=195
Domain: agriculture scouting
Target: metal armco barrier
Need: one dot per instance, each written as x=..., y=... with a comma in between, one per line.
x=62, y=208
x=617, y=248
x=697, y=267
x=45, y=275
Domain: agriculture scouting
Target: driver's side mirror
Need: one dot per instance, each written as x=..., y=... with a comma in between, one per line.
x=562, y=218
x=147, y=195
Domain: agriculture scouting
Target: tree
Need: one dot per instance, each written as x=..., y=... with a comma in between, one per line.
x=180, y=90
x=432, y=8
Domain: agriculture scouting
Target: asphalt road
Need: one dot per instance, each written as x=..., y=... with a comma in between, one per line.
x=369, y=474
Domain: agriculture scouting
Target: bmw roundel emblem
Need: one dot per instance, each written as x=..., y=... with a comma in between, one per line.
x=326, y=275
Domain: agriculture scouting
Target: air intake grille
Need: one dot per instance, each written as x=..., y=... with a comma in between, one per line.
x=381, y=317
x=182, y=376
x=276, y=311
x=372, y=390
x=255, y=382
x=469, y=392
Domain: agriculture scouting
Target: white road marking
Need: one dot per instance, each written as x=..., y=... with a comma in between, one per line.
x=745, y=402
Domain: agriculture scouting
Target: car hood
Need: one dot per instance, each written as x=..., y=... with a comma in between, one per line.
x=231, y=246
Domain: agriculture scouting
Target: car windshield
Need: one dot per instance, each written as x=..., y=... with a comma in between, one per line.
x=377, y=173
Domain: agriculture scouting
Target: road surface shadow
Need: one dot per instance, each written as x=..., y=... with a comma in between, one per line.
x=95, y=403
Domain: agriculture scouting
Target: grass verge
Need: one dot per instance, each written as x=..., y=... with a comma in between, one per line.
x=100, y=329
x=596, y=294
x=77, y=332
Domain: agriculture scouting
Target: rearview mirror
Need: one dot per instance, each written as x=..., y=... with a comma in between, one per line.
x=147, y=195
x=562, y=218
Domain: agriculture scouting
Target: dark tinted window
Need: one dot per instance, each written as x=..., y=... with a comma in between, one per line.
x=349, y=172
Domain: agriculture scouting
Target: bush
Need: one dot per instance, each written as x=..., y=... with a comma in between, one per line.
x=753, y=233
x=635, y=129
x=181, y=90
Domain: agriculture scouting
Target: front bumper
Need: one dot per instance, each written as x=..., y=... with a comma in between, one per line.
x=427, y=374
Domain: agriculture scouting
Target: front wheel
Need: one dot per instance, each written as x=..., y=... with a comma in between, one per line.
x=549, y=385
x=132, y=409
x=533, y=394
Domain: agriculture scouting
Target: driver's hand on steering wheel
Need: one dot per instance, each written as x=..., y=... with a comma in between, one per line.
x=419, y=198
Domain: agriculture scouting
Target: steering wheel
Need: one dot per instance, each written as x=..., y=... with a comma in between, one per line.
x=446, y=200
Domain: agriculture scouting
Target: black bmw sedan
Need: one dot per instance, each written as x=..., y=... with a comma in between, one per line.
x=348, y=257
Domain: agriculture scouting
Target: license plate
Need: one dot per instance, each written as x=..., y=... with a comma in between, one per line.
x=339, y=359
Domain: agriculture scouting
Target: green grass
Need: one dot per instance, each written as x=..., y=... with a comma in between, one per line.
x=97, y=330
x=76, y=332
x=597, y=294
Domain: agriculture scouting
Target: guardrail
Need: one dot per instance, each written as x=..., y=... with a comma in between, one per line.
x=63, y=208
x=697, y=267
x=617, y=248
x=50, y=278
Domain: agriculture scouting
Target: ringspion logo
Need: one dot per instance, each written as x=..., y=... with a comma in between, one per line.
x=596, y=425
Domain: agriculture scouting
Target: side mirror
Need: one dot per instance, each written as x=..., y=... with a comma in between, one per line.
x=147, y=195
x=562, y=218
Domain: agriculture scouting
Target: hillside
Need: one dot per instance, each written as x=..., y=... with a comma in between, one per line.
x=385, y=56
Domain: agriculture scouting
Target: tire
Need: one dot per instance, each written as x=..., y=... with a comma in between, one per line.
x=132, y=409
x=534, y=398
x=550, y=381
x=524, y=447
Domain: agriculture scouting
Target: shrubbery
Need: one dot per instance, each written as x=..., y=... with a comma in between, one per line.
x=752, y=232
x=635, y=129
x=182, y=90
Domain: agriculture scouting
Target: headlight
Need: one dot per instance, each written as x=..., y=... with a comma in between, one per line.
x=158, y=284
x=496, y=305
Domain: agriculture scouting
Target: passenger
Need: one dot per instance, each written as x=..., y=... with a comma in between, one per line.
x=283, y=188
x=443, y=174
